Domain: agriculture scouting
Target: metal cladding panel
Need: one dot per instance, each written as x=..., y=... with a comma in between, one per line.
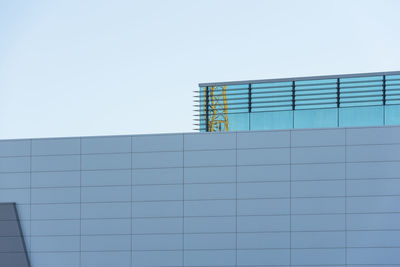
x=310, y=197
x=12, y=244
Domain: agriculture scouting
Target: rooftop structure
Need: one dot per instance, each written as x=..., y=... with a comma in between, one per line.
x=367, y=99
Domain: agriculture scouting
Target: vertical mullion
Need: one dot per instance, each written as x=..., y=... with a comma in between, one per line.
x=293, y=95
x=384, y=89
x=293, y=101
x=250, y=100
x=338, y=92
x=206, y=111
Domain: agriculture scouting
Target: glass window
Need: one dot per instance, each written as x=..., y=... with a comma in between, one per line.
x=316, y=118
x=393, y=91
x=238, y=122
x=361, y=91
x=271, y=120
x=316, y=94
x=271, y=96
x=361, y=116
x=392, y=115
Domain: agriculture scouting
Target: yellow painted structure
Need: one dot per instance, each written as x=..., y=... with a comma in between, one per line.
x=218, y=109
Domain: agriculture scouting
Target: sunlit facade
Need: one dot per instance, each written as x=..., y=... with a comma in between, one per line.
x=371, y=99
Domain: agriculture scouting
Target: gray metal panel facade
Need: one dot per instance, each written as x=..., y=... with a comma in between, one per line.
x=315, y=197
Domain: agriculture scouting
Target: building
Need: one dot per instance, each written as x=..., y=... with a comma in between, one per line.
x=367, y=99
x=314, y=197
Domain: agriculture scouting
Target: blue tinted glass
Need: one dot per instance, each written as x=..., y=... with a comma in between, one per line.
x=318, y=118
x=316, y=94
x=271, y=96
x=361, y=116
x=201, y=106
x=316, y=83
x=392, y=115
x=238, y=122
x=275, y=85
x=362, y=79
x=393, y=77
x=271, y=120
x=361, y=91
x=393, y=92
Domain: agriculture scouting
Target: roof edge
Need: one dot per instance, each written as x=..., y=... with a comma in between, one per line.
x=304, y=78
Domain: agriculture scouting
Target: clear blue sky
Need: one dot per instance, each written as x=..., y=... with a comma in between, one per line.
x=73, y=67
